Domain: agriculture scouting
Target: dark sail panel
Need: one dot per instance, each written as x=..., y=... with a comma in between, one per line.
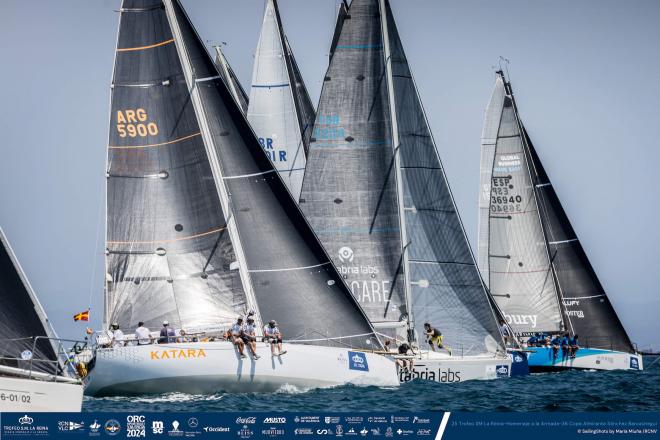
x=169, y=255
x=586, y=305
x=230, y=78
x=446, y=288
x=292, y=278
x=304, y=106
x=349, y=192
x=21, y=318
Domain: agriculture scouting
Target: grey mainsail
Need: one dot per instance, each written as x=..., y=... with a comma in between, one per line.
x=230, y=78
x=579, y=298
x=243, y=241
x=24, y=327
x=376, y=192
x=169, y=255
x=513, y=257
x=280, y=111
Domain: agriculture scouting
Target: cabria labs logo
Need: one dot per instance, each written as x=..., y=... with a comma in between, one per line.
x=346, y=255
x=422, y=372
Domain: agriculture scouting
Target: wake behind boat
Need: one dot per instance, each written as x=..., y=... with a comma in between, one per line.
x=33, y=376
x=532, y=259
x=201, y=228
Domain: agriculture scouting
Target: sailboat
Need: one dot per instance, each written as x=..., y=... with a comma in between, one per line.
x=32, y=372
x=530, y=256
x=376, y=194
x=230, y=79
x=280, y=110
x=201, y=228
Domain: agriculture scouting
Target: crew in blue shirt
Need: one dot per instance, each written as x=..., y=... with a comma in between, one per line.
x=531, y=342
x=555, y=342
x=574, y=344
x=565, y=346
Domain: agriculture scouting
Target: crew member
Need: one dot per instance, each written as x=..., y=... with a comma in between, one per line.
x=406, y=364
x=237, y=336
x=434, y=337
x=531, y=342
x=142, y=335
x=273, y=335
x=250, y=336
x=506, y=333
x=555, y=343
x=167, y=334
x=115, y=336
x=575, y=345
x=565, y=346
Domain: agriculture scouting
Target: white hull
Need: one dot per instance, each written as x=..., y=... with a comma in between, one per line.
x=31, y=395
x=210, y=367
x=439, y=367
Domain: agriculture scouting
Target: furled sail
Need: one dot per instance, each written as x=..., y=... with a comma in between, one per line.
x=588, y=310
x=230, y=78
x=512, y=254
x=377, y=195
x=280, y=111
x=200, y=190
x=24, y=327
x=169, y=254
x=577, y=300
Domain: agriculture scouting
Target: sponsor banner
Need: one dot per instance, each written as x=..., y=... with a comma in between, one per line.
x=361, y=425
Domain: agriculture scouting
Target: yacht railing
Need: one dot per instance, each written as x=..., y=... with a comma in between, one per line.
x=29, y=364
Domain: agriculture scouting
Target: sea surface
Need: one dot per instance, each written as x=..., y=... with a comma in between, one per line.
x=564, y=391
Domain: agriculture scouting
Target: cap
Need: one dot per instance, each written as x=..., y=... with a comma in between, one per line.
x=166, y=323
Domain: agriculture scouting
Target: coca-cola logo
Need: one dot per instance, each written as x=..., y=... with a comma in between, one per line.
x=244, y=420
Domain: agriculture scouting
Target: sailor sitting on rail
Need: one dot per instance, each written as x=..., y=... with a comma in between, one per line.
x=565, y=346
x=434, y=337
x=405, y=364
x=575, y=345
x=249, y=336
x=115, y=336
x=273, y=335
x=555, y=343
x=532, y=340
x=167, y=334
x=236, y=334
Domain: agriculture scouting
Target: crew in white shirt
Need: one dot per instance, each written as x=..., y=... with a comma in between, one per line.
x=143, y=335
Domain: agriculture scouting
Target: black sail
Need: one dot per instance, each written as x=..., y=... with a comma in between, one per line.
x=169, y=256
x=22, y=320
x=304, y=106
x=349, y=191
x=586, y=306
x=445, y=284
x=292, y=279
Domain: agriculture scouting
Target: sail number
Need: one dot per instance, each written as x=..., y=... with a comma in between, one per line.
x=134, y=122
x=500, y=198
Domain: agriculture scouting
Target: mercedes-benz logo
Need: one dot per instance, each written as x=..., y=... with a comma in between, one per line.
x=192, y=422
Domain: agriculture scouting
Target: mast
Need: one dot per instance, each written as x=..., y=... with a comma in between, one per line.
x=230, y=78
x=397, y=166
x=192, y=82
x=564, y=316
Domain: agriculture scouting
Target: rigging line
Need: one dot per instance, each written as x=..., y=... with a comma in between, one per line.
x=160, y=144
x=563, y=241
x=208, y=78
x=96, y=246
x=241, y=176
x=151, y=46
x=585, y=297
x=172, y=240
x=288, y=268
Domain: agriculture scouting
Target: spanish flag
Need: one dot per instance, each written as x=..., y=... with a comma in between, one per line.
x=82, y=316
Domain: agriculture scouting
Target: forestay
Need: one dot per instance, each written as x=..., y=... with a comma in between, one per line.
x=22, y=319
x=286, y=269
x=512, y=252
x=279, y=109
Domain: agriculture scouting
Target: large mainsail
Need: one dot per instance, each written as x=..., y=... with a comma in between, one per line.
x=512, y=254
x=377, y=194
x=24, y=326
x=230, y=78
x=576, y=301
x=280, y=110
x=213, y=228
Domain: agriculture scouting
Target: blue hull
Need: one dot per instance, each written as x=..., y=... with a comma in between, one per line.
x=543, y=359
x=519, y=363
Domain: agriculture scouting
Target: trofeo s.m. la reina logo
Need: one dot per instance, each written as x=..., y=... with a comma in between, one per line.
x=357, y=361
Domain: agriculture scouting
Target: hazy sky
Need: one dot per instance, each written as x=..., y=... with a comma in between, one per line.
x=586, y=75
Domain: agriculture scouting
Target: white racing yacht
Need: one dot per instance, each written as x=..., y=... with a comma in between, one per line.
x=201, y=228
x=33, y=375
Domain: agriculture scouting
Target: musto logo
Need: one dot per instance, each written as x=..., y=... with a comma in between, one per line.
x=422, y=372
x=357, y=361
x=190, y=353
x=346, y=254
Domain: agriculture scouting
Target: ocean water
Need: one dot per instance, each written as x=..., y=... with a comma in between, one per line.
x=564, y=391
